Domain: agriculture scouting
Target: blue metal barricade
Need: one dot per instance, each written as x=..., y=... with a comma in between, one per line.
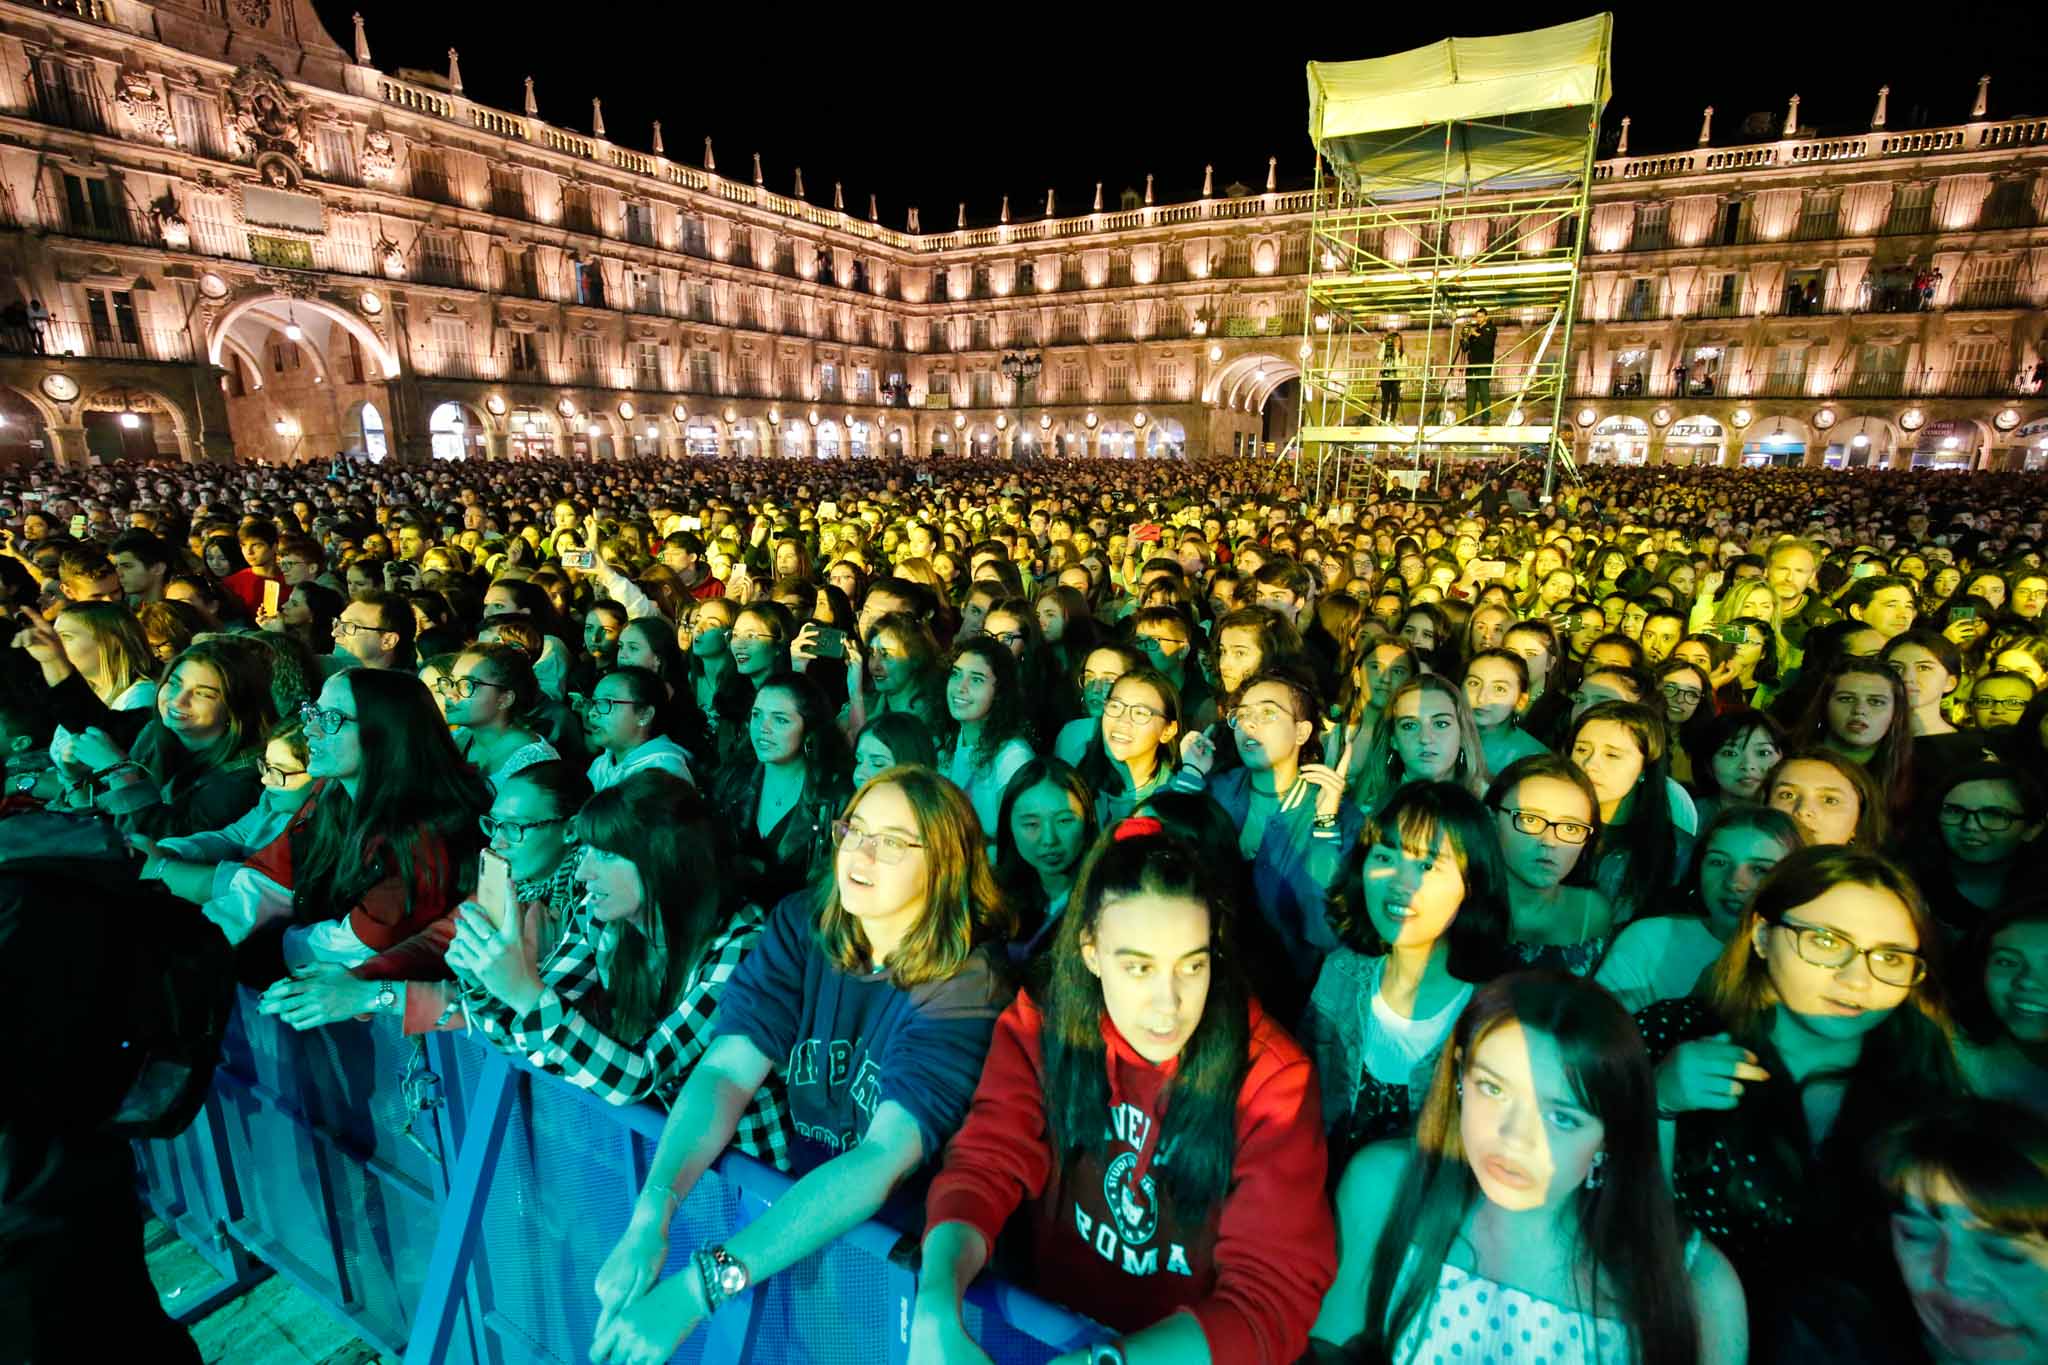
x=452, y=1204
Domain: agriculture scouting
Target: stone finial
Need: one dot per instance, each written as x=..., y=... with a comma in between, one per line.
x=659, y=149
x=1792, y=118
x=874, y=210
x=1706, y=125
x=757, y=170
x=1983, y=103
x=838, y=197
x=1098, y=197
x=915, y=227
x=454, y=73
x=1272, y=174
x=1148, y=189
x=1005, y=216
x=961, y=220
x=532, y=104
x=362, y=42
x=1048, y=204
x=1884, y=94
x=1208, y=182
x=597, y=118
x=1621, y=148
x=710, y=161
x=799, y=182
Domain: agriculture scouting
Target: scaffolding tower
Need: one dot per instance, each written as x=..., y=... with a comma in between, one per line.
x=1452, y=184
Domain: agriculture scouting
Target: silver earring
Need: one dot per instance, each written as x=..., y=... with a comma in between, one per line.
x=1595, y=1178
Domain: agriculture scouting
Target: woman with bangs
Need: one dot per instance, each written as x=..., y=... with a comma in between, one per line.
x=903, y=669
x=1621, y=748
x=1420, y=912
x=1140, y=735
x=1154, y=1126
x=990, y=735
x=1545, y=812
x=1528, y=1219
x=97, y=662
x=489, y=694
x=1731, y=757
x=759, y=645
x=1046, y=824
x=1860, y=711
x=614, y=986
x=1290, y=815
x=1820, y=1024
x=873, y=996
x=1833, y=798
x=788, y=789
x=1092, y=682
x=1428, y=735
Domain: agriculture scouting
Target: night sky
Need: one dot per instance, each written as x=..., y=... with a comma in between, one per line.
x=931, y=106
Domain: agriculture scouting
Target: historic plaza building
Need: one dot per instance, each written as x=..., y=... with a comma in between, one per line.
x=224, y=234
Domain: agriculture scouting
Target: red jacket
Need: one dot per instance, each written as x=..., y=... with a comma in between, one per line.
x=1105, y=1238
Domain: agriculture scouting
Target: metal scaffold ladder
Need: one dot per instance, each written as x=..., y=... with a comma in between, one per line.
x=1452, y=185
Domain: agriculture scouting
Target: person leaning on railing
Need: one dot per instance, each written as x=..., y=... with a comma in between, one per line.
x=873, y=997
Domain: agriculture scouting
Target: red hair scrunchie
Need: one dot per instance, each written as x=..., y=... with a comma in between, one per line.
x=1135, y=827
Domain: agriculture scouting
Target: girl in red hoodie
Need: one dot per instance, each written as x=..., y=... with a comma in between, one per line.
x=1165, y=1134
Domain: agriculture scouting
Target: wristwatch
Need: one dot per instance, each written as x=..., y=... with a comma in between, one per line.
x=1106, y=1353
x=387, y=998
x=724, y=1277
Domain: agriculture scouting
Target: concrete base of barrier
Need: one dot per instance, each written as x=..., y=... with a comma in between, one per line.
x=451, y=1204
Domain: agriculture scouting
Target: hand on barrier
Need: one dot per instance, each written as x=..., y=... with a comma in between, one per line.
x=939, y=1338
x=648, y=1330
x=318, y=995
x=631, y=1268
x=1706, y=1073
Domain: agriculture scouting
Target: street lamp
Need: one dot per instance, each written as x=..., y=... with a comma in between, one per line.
x=1021, y=368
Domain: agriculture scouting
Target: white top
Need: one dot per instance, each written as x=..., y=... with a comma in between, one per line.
x=139, y=695
x=660, y=753
x=1396, y=1045
x=984, y=785
x=1659, y=957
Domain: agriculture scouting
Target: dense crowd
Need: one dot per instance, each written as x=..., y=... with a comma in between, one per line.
x=1481, y=927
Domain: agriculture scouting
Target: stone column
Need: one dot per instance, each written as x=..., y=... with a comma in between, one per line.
x=67, y=446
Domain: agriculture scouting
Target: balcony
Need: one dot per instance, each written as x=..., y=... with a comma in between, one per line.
x=1971, y=382
x=457, y=363
x=451, y=272
x=62, y=108
x=122, y=226
x=170, y=346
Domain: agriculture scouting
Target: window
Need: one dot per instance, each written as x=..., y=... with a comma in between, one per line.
x=1117, y=375
x=1238, y=259
x=576, y=209
x=451, y=345
x=703, y=371
x=701, y=307
x=589, y=284
x=1912, y=207
x=693, y=234
x=828, y=380
x=1731, y=222
x=429, y=176
x=984, y=389
x=646, y=291
x=589, y=353
x=1116, y=323
x=647, y=364
x=524, y=351
x=1993, y=282
x=1975, y=363
x=1070, y=383
x=352, y=367
x=193, y=120
x=863, y=385
x=1166, y=379
x=940, y=385
x=440, y=260
x=90, y=202
x=1652, y=226
x=1819, y=216
x=111, y=313
x=508, y=192
x=1120, y=266
x=529, y=273
x=640, y=223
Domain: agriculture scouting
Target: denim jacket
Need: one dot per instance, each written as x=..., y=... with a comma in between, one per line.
x=1295, y=866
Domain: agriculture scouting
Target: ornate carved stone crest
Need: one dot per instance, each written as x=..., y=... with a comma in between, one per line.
x=255, y=12
x=262, y=114
x=379, y=159
x=138, y=98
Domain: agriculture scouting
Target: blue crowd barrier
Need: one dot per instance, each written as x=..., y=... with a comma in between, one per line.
x=453, y=1205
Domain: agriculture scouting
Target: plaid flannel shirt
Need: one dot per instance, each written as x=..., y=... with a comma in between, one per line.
x=558, y=1036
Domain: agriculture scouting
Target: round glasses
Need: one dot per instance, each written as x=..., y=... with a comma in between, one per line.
x=1117, y=709
x=462, y=689
x=512, y=832
x=323, y=720
x=1264, y=713
x=887, y=848
x=1990, y=819
x=1821, y=947
x=1530, y=823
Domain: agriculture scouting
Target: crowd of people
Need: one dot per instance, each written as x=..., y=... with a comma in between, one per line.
x=1488, y=926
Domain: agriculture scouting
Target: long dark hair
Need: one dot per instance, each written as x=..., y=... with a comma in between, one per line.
x=1625, y=1228
x=413, y=783
x=1006, y=719
x=1648, y=838
x=673, y=838
x=1891, y=763
x=1419, y=815
x=1018, y=878
x=1199, y=1128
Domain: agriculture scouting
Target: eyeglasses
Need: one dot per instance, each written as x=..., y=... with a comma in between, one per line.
x=462, y=689
x=1678, y=692
x=1530, y=823
x=512, y=832
x=887, y=848
x=1115, y=709
x=1009, y=639
x=1821, y=947
x=602, y=707
x=323, y=720
x=1164, y=644
x=2002, y=705
x=277, y=774
x=755, y=637
x=1264, y=713
x=1990, y=819
x=345, y=628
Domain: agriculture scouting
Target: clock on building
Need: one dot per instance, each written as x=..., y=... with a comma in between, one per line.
x=61, y=388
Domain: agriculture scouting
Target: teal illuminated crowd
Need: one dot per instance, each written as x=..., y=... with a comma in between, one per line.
x=1477, y=927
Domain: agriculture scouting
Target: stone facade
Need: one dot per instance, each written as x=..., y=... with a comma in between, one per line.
x=260, y=244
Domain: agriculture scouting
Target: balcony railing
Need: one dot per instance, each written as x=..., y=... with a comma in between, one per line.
x=1969, y=382
x=86, y=341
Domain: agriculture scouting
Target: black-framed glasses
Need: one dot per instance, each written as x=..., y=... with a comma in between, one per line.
x=323, y=720
x=1830, y=948
x=1260, y=713
x=1116, y=709
x=887, y=848
x=344, y=628
x=513, y=832
x=1530, y=823
x=276, y=774
x=462, y=689
x=602, y=707
x=1680, y=693
x=1009, y=639
x=1990, y=819
x=2004, y=706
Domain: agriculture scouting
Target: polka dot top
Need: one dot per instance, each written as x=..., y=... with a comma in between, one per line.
x=1471, y=1320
